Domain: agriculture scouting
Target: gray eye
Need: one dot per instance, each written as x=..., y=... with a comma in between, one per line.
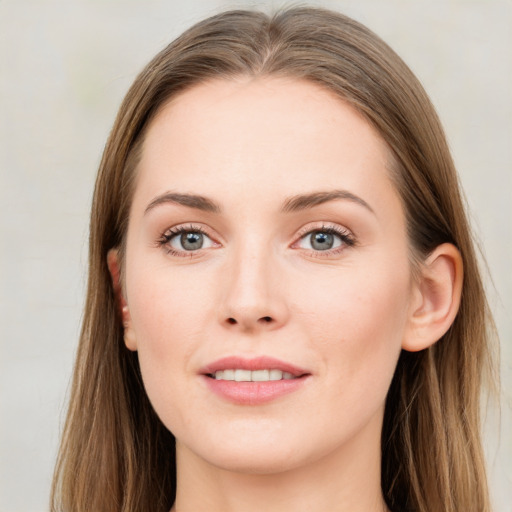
x=321, y=241
x=191, y=241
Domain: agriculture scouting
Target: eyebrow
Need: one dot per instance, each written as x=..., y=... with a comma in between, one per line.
x=292, y=204
x=306, y=201
x=190, y=200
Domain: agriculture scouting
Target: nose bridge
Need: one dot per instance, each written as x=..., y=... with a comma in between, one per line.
x=253, y=298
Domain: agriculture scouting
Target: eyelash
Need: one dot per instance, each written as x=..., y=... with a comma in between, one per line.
x=165, y=239
x=346, y=237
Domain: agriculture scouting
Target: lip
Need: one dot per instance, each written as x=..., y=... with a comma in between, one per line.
x=255, y=363
x=253, y=393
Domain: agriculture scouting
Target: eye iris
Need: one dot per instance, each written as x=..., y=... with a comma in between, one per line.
x=322, y=241
x=191, y=241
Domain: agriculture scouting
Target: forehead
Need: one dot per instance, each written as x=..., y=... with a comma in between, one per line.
x=248, y=134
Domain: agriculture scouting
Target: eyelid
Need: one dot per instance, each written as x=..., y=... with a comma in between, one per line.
x=179, y=228
x=321, y=226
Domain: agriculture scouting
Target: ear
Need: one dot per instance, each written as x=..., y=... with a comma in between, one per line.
x=115, y=273
x=435, y=298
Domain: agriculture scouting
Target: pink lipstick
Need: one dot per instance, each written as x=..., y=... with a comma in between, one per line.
x=253, y=381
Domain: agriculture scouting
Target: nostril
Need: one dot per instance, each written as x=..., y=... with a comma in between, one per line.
x=261, y=320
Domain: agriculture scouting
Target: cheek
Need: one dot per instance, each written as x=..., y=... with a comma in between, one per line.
x=365, y=303
x=169, y=314
x=167, y=305
x=357, y=321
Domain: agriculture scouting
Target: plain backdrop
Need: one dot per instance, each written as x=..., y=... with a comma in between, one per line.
x=64, y=68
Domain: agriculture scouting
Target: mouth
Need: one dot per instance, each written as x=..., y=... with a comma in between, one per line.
x=241, y=375
x=253, y=381
x=256, y=369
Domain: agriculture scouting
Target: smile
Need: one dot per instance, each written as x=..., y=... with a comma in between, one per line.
x=253, y=381
x=240, y=375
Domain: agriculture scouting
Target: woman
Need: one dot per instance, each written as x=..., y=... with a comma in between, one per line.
x=284, y=309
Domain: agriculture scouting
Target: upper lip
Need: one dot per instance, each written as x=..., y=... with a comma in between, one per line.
x=255, y=363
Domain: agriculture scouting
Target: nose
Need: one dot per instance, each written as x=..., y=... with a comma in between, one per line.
x=253, y=294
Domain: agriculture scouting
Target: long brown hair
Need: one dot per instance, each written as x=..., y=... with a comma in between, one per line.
x=116, y=455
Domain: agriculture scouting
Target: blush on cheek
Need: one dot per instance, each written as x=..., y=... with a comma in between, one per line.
x=370, y=322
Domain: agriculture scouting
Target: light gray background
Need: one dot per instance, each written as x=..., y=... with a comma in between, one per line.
x=65, y=66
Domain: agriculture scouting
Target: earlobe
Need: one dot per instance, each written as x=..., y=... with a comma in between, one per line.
x=435, y=298
x=129, y=334
x=115, y=273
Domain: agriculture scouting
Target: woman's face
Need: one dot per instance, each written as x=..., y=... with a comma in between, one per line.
x=266, y=236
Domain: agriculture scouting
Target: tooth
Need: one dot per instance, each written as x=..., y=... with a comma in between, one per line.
x=229, y=375
x=275, y=374
x=254, y=376
x=259, y=375
x=243, y=375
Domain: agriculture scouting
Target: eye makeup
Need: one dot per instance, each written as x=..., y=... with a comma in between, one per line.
x=325, y=240
x=186, y=240
x=322, y=240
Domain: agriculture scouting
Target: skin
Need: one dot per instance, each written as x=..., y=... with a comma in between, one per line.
x=257, y=287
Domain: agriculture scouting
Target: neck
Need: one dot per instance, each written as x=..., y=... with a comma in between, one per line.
x=346, y=480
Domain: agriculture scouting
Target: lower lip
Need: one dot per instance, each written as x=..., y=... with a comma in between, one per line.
x=254, y=393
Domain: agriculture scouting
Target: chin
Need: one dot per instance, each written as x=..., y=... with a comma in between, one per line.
x=254, y=462
x=263, y=453
x=245, y=448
